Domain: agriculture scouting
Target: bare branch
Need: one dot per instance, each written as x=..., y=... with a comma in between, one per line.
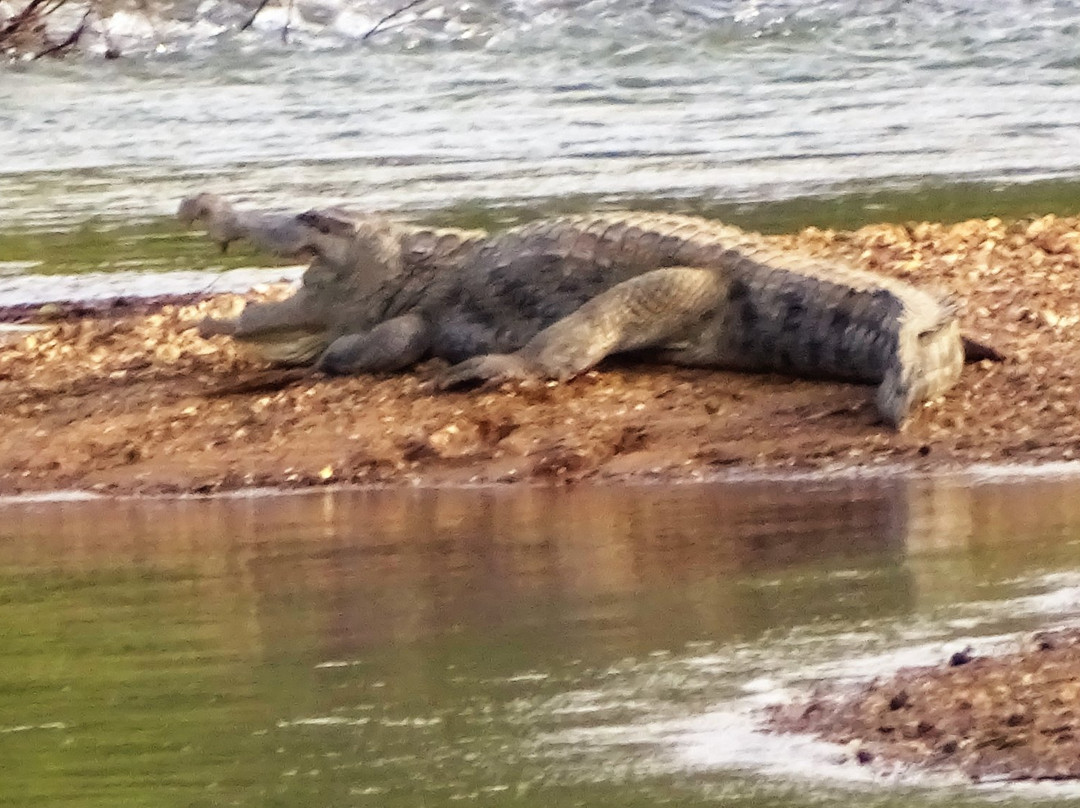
x=72, y=38
x=397, y=12
x=251, y=20
x=284, y=29
x=288, y=20
x=31, y=10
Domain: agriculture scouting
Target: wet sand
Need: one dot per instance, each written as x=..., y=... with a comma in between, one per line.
x=126, y=398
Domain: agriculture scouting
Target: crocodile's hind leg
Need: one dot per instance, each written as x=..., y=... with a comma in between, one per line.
x=391, y=345
x=642, y=312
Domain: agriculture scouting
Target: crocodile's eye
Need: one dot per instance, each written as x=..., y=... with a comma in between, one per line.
x=327, y=224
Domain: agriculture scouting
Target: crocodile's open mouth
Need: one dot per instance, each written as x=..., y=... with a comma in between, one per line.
x=286, y=347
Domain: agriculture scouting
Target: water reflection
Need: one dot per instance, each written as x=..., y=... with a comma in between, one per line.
x=405, y=564
x=427, y=645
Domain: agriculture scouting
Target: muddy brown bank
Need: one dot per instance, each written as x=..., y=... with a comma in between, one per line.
x=1007, y=717
x=129, y=399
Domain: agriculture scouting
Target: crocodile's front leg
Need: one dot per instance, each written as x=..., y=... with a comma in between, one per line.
x=292, y=331
x=295, y=313
x=642, y=312
x=391, y=345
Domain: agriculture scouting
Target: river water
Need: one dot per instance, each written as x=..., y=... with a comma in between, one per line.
x=508, y=102
x=529, y=646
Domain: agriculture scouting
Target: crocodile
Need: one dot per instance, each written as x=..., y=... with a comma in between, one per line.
x=551, y=299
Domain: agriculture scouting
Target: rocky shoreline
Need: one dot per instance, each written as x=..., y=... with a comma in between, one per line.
x=124, y=397
x=995, y=718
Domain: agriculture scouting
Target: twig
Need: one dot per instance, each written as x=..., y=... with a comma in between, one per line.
x=56, y=4
x=263, y=4
x=397, y=12
x=28, y=10
x=72, y=38
x=15, y=23
x=285, y=27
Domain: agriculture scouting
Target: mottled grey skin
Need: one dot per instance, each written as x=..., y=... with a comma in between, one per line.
x=551, y=299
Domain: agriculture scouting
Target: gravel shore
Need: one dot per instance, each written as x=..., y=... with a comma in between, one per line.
x=124, y=397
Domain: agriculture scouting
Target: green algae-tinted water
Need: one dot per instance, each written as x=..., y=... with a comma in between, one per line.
x=94, y=246
x=158, y=244
x=526, y=647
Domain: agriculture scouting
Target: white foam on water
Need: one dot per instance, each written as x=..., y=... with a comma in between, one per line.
x=92, y=286
x=730, y=735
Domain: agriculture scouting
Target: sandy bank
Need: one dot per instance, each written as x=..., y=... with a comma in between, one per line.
x=126, y=398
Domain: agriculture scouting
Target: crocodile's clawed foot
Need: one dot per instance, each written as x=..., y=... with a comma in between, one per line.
x=488, y=371
x=212, y=326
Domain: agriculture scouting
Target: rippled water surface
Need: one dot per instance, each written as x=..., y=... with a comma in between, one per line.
x=527, y=647
x=532, y=647
x=509, y=101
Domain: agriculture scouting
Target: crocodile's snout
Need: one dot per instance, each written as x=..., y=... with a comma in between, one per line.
x=201, y=206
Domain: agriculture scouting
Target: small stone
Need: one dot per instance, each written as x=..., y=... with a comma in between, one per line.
x=50, y=311
x=961, y=658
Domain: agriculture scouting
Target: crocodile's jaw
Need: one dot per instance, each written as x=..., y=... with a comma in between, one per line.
x=293, y=331
x=286, y=347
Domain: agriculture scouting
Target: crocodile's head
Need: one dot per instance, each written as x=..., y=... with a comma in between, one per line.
x=352, y=256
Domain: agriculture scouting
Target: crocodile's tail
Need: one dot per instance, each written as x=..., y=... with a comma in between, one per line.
x=928, y=361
